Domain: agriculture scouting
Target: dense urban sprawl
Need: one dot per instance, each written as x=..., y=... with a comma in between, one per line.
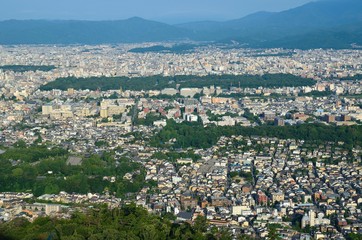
x=176, y=150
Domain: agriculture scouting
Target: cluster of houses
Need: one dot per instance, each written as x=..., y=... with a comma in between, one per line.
x=262, y=181
x=62, y=205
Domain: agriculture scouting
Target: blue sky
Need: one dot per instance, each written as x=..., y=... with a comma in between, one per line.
x=169, y=11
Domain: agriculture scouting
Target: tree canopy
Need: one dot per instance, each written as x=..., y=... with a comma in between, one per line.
x=195, y=135
x=44, y=170
x=27, y=68
x=160, y=82
x=127, y=222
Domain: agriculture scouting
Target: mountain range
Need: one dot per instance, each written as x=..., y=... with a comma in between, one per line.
x=320, y=24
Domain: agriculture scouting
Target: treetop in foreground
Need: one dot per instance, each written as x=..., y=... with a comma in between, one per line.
x=127, y=222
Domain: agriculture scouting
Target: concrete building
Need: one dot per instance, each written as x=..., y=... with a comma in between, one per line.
x=47, y=109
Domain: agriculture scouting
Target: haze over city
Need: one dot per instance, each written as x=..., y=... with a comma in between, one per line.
x=160, y=10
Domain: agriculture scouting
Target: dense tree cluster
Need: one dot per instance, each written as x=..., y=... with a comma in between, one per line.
x=178, y=49
x=159, y=82
x=30, y=154
x=43, y=170
x=317, y=94
x=355, y=77
x=26, y=68
x=173, y=156
x=195, y=135
x=128, y=222
x=149, y=119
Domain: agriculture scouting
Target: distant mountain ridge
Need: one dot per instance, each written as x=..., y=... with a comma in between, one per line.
x=264, y=28
x=86, y=32
x=319, y=24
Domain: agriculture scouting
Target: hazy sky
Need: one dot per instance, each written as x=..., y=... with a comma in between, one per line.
x=170, y=11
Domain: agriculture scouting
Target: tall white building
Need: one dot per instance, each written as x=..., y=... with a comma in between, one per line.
x=311, y=218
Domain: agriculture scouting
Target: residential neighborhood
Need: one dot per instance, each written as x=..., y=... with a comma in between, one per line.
x=302, y=186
